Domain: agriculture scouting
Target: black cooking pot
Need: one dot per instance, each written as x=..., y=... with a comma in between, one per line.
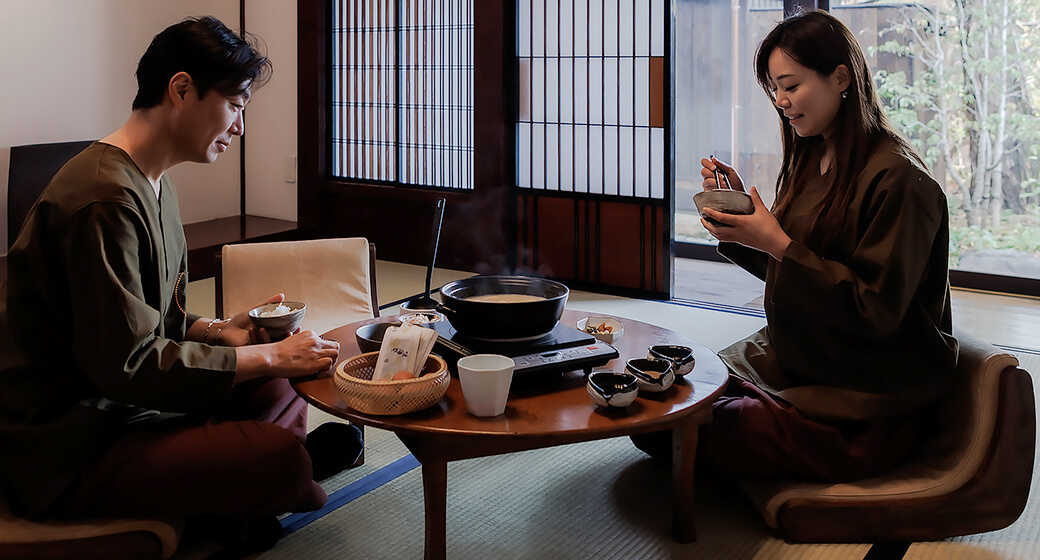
x=503, y=321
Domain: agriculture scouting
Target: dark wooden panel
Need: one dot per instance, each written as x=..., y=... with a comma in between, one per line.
x=658, y=266
x=622, y=245
x=995, y=282
x=596, y=242
x=525, y=239
x=587, y=243
x=400, y=222
x=312, y=106
x=556, y=234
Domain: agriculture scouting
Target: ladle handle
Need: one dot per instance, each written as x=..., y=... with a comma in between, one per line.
x=438, y=217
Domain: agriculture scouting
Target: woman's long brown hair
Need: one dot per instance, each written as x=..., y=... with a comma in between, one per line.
x=818, y=41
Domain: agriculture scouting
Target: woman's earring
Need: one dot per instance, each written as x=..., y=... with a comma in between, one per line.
x=844, y=95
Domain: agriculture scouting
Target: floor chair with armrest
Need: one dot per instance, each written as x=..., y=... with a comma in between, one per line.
x=32, y=167
x=974, y=477
x=336, y=278
x=138, y=538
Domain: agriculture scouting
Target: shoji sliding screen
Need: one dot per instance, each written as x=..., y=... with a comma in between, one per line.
x=594, y=162
x=591, y=102
x=402, y=92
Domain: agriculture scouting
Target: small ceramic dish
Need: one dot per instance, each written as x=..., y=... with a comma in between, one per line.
x=681, y=357
x=652, y=375
x=370, y=337
x=421, y=318
x=727, y=201
x=279, y=319
x=612, y=389
x=606, y=329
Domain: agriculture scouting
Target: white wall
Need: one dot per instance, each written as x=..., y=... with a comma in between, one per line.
x=271, y=114
x=68, y=74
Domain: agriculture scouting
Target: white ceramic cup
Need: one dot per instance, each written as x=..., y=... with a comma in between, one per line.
x=485, y=382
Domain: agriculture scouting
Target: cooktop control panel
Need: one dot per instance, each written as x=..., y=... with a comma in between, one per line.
x=564, y=349
x=566, y=359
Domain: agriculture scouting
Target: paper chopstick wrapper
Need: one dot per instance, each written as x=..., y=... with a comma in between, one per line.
x=404, y=348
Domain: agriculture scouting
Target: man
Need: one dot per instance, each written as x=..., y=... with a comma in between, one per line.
x=113, y=399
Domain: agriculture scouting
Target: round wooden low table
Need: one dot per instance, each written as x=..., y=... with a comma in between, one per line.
x=543, y=411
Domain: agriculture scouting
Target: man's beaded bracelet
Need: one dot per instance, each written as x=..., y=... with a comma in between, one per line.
x=205, y=336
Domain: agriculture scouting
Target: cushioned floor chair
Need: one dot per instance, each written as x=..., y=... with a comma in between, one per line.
x=99, y=538
x=974, y=477
x=336, y=278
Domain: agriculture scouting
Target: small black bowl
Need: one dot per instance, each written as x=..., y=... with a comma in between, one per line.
x=370, y=337
x=653, y=375
x=681, y=357
x=608, y=388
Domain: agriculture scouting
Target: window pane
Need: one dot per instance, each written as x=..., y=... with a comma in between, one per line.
x=977, y=66
x=719, y=108
x=586, y=74
x=403, y=92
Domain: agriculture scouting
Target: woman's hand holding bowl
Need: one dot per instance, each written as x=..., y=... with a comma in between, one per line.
x=758, y=230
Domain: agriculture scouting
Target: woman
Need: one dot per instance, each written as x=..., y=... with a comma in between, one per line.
x=854, y=257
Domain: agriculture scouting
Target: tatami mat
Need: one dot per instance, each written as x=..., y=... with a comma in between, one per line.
x=592, y=500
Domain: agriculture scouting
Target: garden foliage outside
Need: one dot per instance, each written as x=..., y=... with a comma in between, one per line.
x=969, y=99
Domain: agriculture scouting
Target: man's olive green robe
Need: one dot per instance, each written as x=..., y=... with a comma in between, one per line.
x=90, y=330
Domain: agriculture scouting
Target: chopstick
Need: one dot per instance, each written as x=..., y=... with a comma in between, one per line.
x=715, y=172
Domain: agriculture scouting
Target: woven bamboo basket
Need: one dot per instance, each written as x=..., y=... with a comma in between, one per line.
x=357, y=389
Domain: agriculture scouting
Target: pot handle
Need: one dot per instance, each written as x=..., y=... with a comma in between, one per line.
x=446, y=311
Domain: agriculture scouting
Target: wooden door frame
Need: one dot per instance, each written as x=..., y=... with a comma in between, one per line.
x=485, y=229
x=398, y=219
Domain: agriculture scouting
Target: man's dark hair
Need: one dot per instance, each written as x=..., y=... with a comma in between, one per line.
x=214, y=56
